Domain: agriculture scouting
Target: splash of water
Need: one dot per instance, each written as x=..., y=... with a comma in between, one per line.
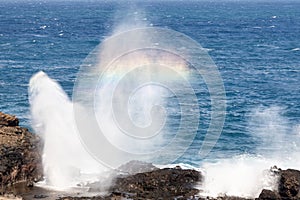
x=65, y=160
x=245, y=176
x=123, y=85
x=274, y=133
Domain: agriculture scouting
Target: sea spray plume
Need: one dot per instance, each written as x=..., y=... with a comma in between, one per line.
x=242, y=176
x=64, y=158
x=154, y=64
x=277, y=140
x=133, y=18
x=271, y=131
x=138, y=65
x=277, y=137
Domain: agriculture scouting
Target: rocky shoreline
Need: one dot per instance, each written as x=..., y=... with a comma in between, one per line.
x=20, y=157
x=20, y=164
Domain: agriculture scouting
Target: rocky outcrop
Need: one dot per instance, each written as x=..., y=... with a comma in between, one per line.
x=159, y=184
x=289, y=184
x=20, y=158
x=168, y=183
x=269, y=195
x=8, y=120
x=134, y=167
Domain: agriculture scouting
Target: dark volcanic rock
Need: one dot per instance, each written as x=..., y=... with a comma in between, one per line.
x=289, y=184
x=8, y=120
x=169, y=183
x=20, y=158
x=166, y=183
x=134, y=167
x=269, y=194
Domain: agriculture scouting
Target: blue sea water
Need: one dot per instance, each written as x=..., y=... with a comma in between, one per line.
x=255, y=45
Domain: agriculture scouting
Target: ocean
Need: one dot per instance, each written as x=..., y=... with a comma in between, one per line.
x=254, y=44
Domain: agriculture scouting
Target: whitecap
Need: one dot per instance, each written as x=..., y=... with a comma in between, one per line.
x=5, y=44
x=39, y=35
x=296, y=49
x=267, y=46
x=43, y=27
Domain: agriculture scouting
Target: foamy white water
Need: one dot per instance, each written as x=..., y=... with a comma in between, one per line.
x=242, y=176
x=246, y=175
x=66, y=162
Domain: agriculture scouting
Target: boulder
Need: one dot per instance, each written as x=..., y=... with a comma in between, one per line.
x=168, y=183
x=269, y=195
x=289, y=184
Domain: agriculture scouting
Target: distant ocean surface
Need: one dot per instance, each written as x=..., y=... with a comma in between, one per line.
x=255, y=45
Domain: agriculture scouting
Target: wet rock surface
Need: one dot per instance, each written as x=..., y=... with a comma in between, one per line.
x=20, y=158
